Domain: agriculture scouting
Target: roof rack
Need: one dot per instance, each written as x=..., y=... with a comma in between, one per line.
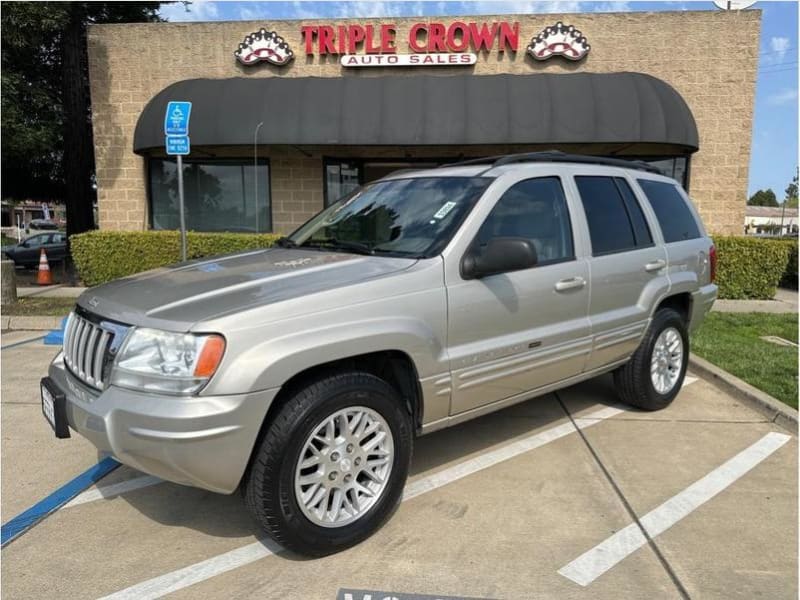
x=557, y=156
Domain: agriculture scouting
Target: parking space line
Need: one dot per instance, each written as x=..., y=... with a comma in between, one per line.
x=216, y=565
x=115, y=489
x=24, y=521
x=689, y=380
x=20, y=343
x=593, y=563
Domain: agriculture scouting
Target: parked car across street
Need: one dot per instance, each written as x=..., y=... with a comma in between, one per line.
x=26, y=253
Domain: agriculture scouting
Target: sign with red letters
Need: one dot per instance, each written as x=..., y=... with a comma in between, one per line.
x=428, y=44
x=425, y=44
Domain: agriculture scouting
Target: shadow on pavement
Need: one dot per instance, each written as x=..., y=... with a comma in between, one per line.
x=220, y=515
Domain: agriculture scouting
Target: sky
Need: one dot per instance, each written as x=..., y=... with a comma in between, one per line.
x=774, y=156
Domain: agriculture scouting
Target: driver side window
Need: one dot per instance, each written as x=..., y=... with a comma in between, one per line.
x=35, y=241
x=535, y=209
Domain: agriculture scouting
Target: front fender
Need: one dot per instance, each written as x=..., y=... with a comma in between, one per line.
x=275, y=360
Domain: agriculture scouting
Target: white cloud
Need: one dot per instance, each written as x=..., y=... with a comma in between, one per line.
x=778, y=47
x=302, y=12
x=787, y=96
x=198, y=10
x=545, y=7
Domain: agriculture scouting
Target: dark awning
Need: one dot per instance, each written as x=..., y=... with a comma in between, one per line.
x=577, y=108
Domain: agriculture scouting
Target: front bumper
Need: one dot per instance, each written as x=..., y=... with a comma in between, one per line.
x=702, y=301
x=200, y=441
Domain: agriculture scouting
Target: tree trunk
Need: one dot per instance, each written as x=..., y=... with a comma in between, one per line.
x=78, y=160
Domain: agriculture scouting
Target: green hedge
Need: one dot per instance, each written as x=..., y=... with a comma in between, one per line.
x=750, y=268
x=789, y=279
x=102, y=256
x=747, y=267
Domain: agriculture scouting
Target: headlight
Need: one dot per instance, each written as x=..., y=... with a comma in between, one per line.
x=175, y=363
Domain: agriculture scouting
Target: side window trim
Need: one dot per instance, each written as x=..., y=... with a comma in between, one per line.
x=626, y=200
x=565, y=204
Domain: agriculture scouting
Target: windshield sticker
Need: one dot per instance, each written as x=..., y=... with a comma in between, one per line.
x=442, y=212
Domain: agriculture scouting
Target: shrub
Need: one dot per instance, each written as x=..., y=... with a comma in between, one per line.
x=749, y=268
x=102, y=256
x=789, y=278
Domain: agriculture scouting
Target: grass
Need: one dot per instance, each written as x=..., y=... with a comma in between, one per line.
x=7, y=241
x=51, y=307
x=732, y=342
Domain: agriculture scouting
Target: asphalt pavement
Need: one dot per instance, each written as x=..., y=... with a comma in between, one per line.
x=569, y=495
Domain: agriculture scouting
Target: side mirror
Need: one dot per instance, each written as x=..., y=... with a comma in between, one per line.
x=500, y=255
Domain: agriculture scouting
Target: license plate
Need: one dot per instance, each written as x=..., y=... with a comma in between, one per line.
x=54, y=408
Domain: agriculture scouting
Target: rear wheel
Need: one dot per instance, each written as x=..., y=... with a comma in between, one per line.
x=654, y=375
x=332, y=464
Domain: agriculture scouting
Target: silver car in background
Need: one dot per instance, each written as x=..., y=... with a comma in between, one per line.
x=301, y=374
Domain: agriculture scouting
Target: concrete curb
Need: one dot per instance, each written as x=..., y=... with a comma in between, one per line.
x=774, y=409
x=59, y=290
x=32, y=323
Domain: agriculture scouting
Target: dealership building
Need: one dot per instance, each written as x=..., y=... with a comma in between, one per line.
x=288, y=116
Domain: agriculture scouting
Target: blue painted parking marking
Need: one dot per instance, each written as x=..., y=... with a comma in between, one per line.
x=56, y=337
x=24, y=521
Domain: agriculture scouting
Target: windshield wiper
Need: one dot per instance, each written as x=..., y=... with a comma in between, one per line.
x=285, y=242
x=335, y=244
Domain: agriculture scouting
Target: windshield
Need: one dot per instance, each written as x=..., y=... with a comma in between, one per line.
x=405, y=217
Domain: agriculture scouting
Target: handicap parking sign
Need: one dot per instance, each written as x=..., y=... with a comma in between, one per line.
x=176, y=119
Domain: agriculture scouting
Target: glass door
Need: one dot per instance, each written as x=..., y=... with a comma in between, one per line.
x=341, y=178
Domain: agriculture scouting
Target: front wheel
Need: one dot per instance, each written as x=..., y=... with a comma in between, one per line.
x=332, y=464
x=653, y=376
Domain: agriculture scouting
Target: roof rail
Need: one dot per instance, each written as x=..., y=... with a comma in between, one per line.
x=557, y=156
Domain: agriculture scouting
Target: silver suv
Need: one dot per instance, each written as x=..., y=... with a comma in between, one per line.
x=301, y=374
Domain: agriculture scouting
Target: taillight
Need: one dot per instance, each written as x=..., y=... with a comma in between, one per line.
x=712, y=261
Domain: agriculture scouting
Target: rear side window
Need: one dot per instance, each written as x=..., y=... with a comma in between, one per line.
x=615, y=219
x=676, y=220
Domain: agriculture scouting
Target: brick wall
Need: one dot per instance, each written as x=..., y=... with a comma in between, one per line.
x=709, y=57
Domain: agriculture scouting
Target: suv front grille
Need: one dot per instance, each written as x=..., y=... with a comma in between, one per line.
x=87, y=348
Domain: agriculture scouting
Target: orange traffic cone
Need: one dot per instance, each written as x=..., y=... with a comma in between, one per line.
x=44, y=276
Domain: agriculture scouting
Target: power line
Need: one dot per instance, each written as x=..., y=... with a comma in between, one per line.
x=776, y=51
x=777, y=67
x=780, y=71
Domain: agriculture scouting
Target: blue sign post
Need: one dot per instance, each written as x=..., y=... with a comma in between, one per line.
x=176, y=130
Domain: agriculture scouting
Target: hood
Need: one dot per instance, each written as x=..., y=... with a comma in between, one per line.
x=174, y=298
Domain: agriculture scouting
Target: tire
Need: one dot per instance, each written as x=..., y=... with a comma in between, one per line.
x=273, y=491
x=633, y=380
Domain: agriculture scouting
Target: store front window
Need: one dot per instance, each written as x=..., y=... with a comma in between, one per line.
x=677, y=168
x=341, y=178
x=220, y=195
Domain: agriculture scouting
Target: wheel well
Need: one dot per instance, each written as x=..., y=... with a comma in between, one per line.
x=682, y=303
x=394, y=367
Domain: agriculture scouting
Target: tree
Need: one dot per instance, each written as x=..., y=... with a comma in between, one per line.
x=46, y=112
x=763, y=198
x=791, y=193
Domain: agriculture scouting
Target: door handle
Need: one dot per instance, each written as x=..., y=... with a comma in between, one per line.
x=569, y=284
x=656, y=265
